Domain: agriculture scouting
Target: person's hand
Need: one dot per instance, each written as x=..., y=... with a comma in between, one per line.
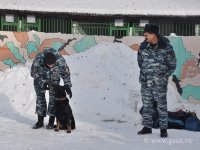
x=46, y=86
x=68, y=90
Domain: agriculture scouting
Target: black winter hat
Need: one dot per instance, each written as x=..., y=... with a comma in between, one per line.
x=151, y=28
x=49, y=58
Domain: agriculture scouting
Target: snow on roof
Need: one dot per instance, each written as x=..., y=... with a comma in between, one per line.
x=108, y=7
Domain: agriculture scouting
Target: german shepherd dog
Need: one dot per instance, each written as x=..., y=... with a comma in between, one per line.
x=63, y=111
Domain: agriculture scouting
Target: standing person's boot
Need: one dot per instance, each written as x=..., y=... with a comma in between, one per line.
x=163, y=133
x=51, y=122
x=40, y=123
x=145, y=130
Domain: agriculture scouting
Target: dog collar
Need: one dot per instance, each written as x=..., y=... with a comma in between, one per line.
x=59, y=99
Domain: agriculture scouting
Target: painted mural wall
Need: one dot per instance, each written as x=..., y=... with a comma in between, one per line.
x=20, y=47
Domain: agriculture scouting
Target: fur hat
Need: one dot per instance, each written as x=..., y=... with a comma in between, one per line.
x=49, y=58
x=151, y=28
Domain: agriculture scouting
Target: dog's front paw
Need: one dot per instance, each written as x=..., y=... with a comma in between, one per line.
x=56, y=129
x=69, y=131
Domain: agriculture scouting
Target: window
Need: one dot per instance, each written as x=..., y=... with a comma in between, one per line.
x=31, y=19
x=9, y=18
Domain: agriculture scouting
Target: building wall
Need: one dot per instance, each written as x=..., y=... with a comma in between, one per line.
x=21, y=47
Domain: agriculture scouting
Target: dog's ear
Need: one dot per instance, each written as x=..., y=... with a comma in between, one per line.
x=55, y=87
x=63, y=87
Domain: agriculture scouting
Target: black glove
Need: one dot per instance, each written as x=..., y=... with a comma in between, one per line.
x=46, y=86
x=68, y=90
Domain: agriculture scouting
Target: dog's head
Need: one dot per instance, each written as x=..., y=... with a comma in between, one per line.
x=59, y=91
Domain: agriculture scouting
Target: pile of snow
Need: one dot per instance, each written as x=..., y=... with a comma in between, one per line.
x=105, y=96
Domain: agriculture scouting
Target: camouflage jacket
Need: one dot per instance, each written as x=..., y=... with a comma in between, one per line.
x=42, y=74
x=156, y=64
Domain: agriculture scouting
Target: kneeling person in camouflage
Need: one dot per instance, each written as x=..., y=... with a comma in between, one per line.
x=47, y=69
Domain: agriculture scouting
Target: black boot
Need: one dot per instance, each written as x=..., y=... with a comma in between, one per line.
x=145, y=130
x=40, y=123
x=163, y=133
x=51, y=122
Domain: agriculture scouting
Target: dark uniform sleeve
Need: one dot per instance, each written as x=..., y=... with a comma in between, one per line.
x=64, y=72
x=139, y=58
x=171, y=61
x=36, y=71
x=143, y=45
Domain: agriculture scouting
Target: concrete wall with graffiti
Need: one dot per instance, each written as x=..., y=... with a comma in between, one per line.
x=20, y=47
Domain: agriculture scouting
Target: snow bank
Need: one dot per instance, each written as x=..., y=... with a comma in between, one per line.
x=105, y=91
x=105, y=85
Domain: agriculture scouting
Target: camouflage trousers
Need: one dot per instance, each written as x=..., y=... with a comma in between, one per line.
x=41, y=104
x=159, y=95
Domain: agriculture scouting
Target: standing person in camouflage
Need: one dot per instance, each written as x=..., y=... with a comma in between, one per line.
x=47, y=69
x=157, y=61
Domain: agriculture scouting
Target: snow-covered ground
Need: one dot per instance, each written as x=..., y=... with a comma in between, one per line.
x=105, y=93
